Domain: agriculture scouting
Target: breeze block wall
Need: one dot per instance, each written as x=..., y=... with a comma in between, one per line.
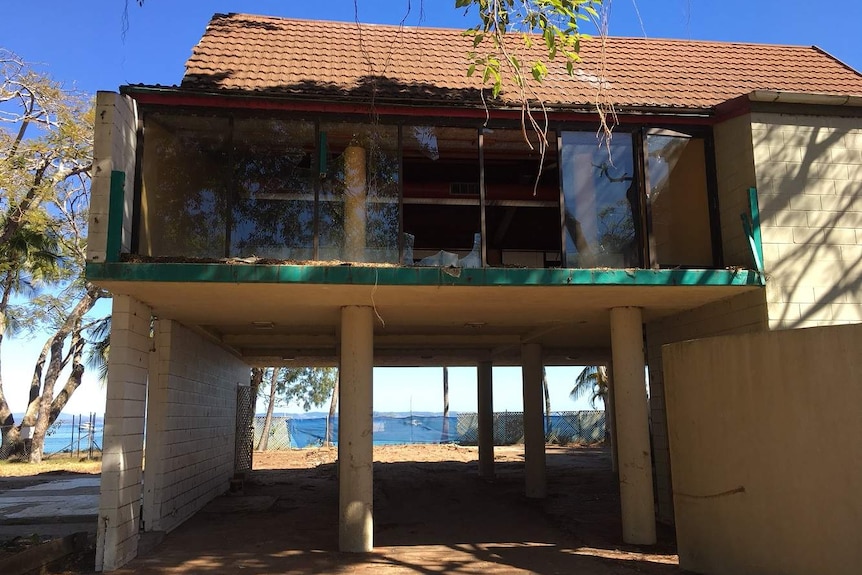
x=114, y=144
x=191, y=424
x=809, y=186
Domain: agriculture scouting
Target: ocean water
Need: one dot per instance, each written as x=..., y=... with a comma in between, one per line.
x=66, y=437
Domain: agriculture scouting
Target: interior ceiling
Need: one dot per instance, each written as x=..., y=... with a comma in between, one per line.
x=272, y=324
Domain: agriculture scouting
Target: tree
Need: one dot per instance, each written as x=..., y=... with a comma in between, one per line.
x=45, y=159
x=547, y=402
x=592, y=382
x=445, y=435
x=306, y=386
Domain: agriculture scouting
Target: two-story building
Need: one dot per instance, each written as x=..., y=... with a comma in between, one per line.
x=322, y=193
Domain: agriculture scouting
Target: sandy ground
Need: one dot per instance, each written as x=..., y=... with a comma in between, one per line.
x=432, y=512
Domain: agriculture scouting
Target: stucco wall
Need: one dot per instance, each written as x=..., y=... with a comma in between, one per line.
x=743, y=313
x=114, y=145
x=191, y=423
x=766, y=444
x=809, y=183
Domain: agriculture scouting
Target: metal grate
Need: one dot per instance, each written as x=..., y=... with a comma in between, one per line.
x=244, y=428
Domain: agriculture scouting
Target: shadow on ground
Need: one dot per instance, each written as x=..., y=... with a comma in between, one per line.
x=430, y=517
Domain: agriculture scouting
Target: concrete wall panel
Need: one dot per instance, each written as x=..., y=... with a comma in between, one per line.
x=765, y=437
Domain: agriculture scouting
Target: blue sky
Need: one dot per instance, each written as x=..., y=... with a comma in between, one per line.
x=82, y=44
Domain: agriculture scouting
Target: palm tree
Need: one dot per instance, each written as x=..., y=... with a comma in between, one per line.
x=592, y=382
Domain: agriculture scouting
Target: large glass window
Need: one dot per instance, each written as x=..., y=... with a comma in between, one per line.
x=441, y=194
x=183, y=186
x=601, y=201
x=358, y=213
x=522, y=213
x=272, y=212
x=679, y=208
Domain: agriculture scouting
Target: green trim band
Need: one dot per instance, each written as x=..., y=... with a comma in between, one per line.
x=756, y=237
x=411, y=276
x=116, y=205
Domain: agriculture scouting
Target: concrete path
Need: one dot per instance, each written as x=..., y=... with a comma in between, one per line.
x=51, y=508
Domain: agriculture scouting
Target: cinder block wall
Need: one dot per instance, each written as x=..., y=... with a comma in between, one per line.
x=766, y=437
x=122, y=455
x=114, y=144
x=191, y=423
x=809, y=183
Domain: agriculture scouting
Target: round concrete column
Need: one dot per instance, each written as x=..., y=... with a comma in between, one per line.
x=355, y=447
x=355, y=213
x=611, y=420
x=534, y=422
x=632, y=426
x=486, y=419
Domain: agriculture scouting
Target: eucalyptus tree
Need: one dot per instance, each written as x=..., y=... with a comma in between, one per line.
x=46, y=143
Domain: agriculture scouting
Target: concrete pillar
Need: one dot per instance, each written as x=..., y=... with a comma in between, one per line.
x=534, y=422
x=611, y=421
x=355, y=445
x=630, y=402
x=356, y=191
x=123, y=446
x=484, y=380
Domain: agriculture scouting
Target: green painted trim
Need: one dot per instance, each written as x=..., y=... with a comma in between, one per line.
x=413, y=276
x=116, y=207
x=755, y=226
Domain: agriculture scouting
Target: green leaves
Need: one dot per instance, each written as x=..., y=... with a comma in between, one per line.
x=508, y=27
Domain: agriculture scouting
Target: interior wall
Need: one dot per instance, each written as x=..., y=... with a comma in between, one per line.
x=809, y=185
x=765, y=440
x=740, y=314
x=191, y=424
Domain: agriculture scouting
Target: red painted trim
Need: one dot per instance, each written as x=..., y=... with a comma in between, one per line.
x=324, y=107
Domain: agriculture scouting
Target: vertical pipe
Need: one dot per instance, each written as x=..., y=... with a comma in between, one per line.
x=355, y=195
x=534, y=429
x=485, y=390
x=355, y=446
x=630, y=399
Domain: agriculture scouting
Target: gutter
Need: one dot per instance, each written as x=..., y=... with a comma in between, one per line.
x=782, y=97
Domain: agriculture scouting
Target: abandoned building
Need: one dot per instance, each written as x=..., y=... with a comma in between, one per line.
x=325, y=194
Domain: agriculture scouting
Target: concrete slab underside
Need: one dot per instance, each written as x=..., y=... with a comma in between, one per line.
x=415, y=325
x=430, y=517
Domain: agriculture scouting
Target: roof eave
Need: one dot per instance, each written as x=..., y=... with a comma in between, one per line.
x=171, y=92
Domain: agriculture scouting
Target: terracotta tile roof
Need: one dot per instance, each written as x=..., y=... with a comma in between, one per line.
x=241, y=52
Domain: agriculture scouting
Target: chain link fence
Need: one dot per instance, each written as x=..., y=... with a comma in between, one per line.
x=562, y=427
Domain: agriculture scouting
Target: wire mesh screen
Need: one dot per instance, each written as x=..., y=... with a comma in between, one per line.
x=277, y=437
x=244, y=428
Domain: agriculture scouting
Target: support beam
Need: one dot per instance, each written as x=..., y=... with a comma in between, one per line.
x=355, y=445
x=630, y=401
x=484, y=384
x=534, y=423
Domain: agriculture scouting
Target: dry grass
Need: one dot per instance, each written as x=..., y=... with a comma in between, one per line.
x=66, y=463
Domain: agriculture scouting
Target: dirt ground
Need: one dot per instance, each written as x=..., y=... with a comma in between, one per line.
x=432, y=514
